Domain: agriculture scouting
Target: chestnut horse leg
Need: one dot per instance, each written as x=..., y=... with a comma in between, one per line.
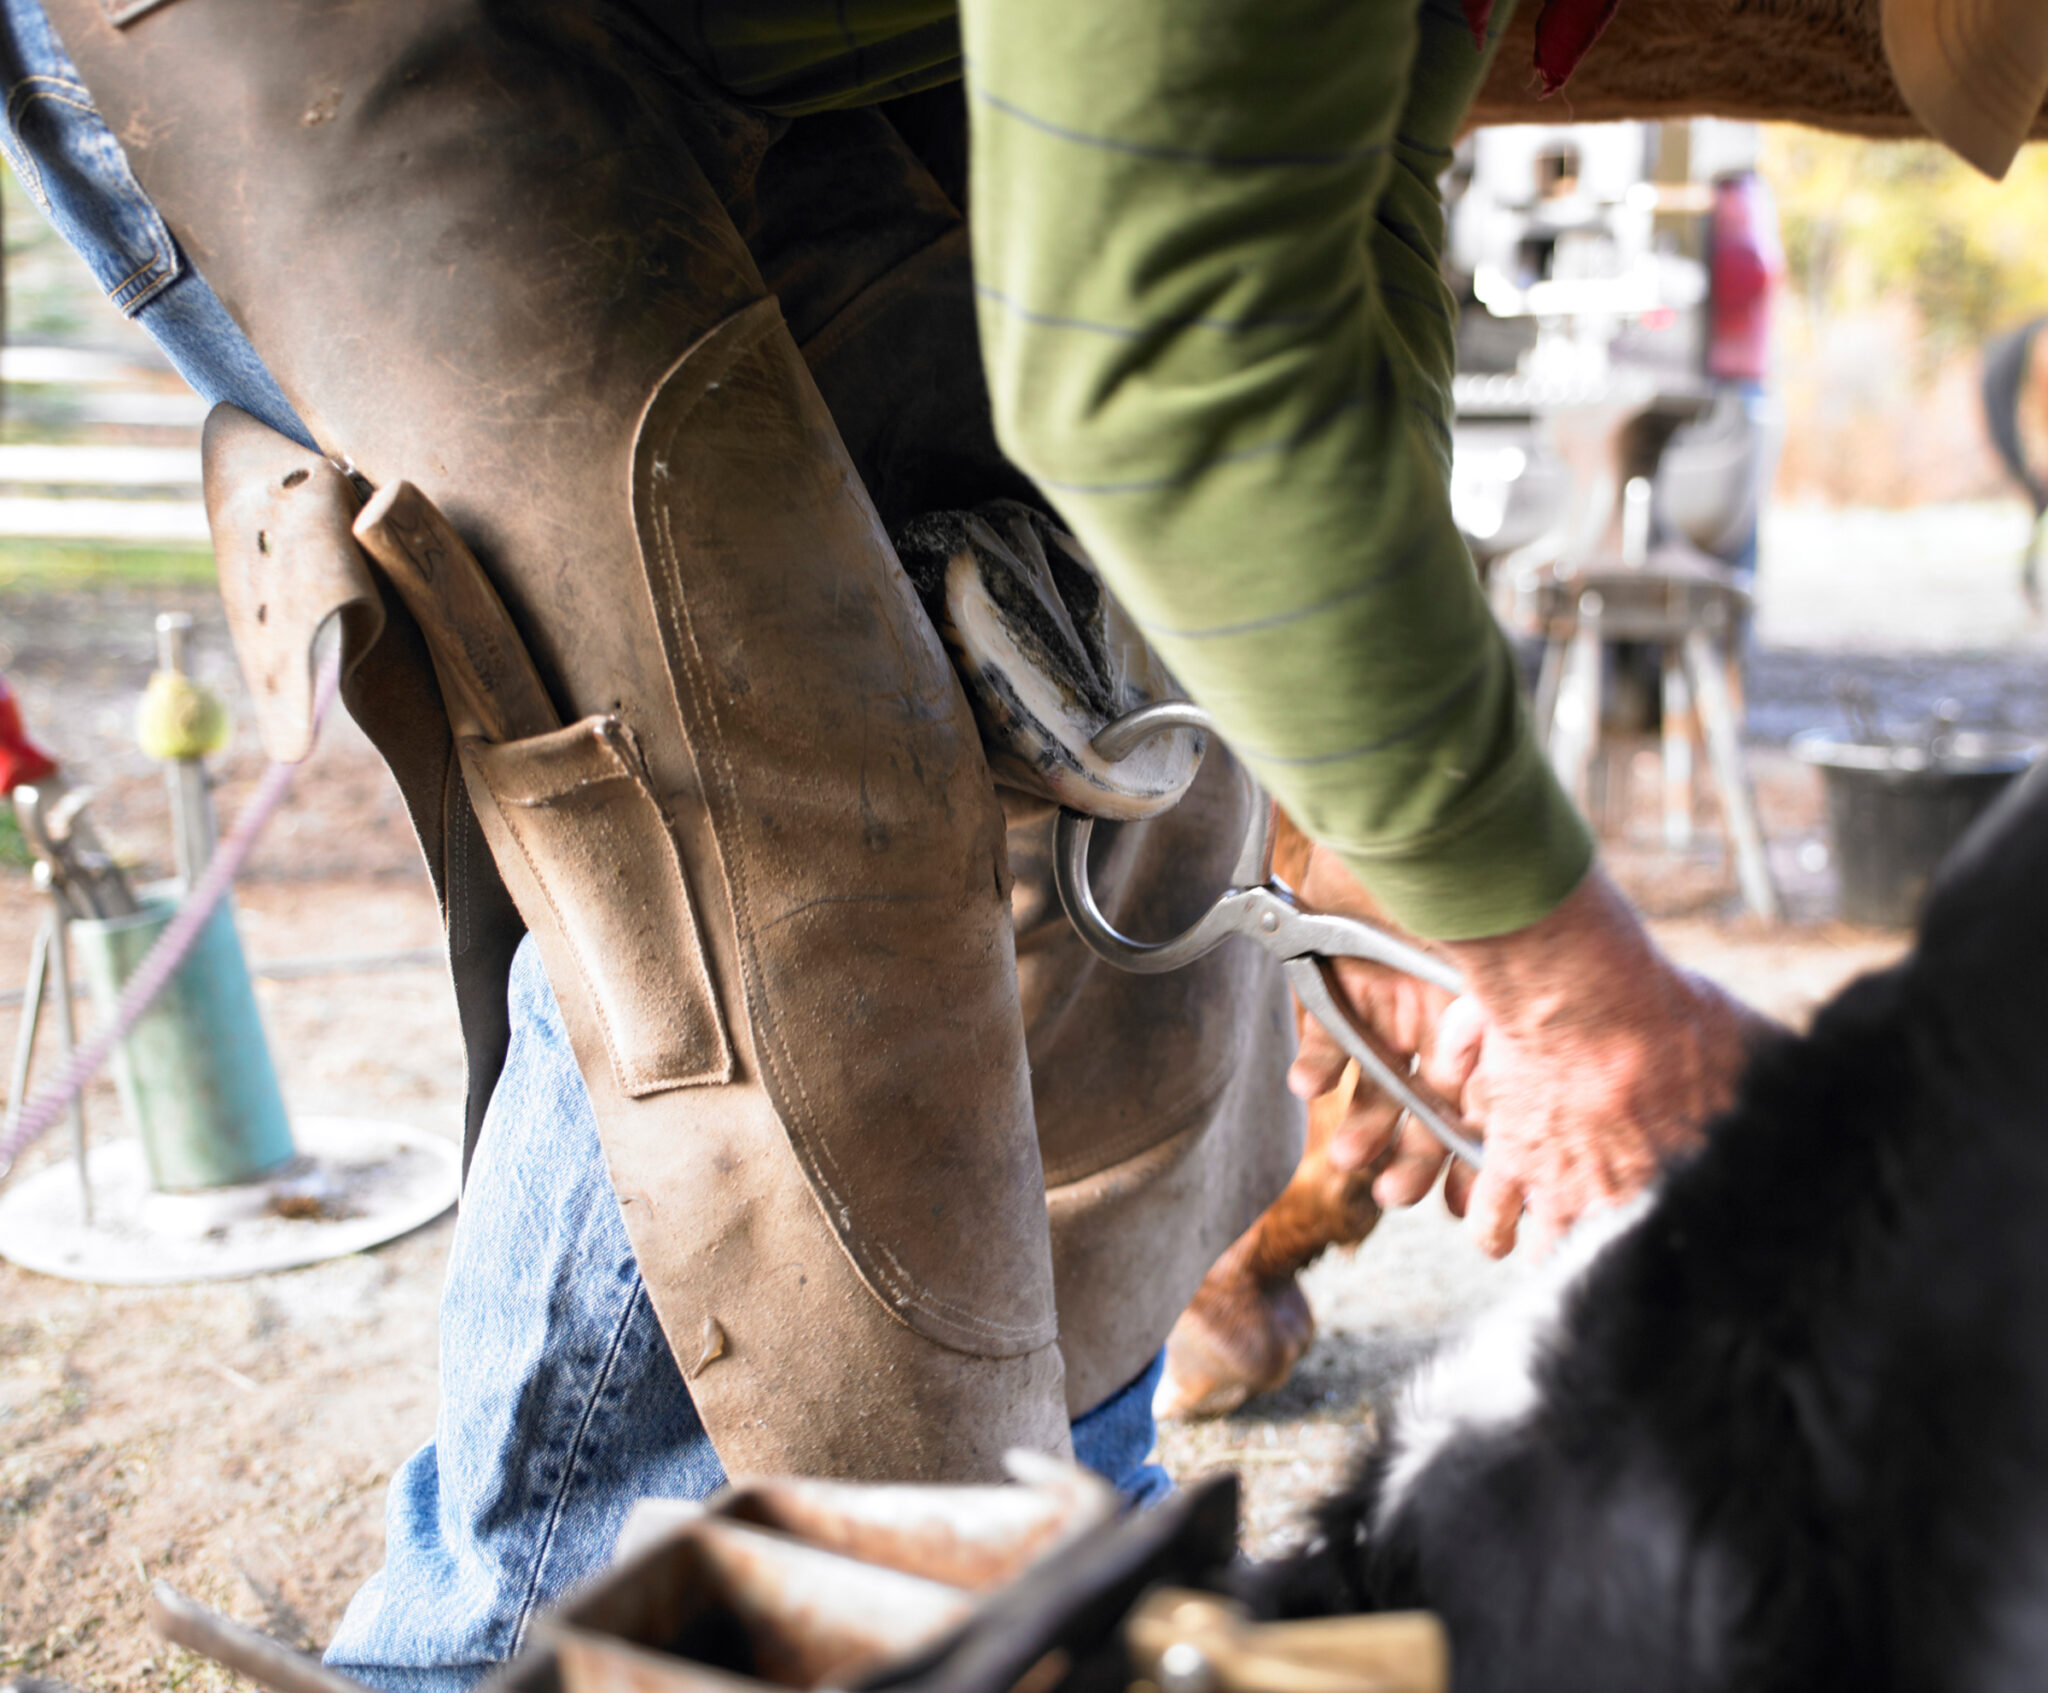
x=1248, y=1323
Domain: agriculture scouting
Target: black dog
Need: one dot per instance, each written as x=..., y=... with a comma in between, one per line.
x=1785, y=1425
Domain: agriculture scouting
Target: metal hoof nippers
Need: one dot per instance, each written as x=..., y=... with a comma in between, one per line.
x=1262, y=910
x=85, y=880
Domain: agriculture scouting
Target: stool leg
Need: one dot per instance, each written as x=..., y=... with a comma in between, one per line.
x=1549, y=680
x=1576, y=735
x=1724, y=756
x=1678, y=733
x=67, y=1039
x=31, y=1020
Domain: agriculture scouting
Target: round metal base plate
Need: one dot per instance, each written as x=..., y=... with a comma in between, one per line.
x=353, y=1185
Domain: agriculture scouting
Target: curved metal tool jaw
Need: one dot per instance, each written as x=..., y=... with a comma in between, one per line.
x=1263, y=910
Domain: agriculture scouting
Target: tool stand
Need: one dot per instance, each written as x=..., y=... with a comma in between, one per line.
x=49, y=976
x=213, y=1182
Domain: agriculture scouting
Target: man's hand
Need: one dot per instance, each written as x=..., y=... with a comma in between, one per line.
x=1586, y=1057
x=1583, y=1055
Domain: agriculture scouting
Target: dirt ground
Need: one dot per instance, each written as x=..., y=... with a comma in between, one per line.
x=237, y=1438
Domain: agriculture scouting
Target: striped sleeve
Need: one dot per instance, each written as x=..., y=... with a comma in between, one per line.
x=1206, y=238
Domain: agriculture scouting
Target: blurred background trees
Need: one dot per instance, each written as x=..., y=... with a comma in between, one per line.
x=1902, y=262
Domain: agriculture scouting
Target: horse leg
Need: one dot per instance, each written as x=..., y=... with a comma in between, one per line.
x=1249, y=1322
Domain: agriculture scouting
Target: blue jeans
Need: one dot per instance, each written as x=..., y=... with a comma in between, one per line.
x=560, y=1404
x=71, y=165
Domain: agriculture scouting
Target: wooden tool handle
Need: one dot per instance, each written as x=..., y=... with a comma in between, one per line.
x=1183, y=1642
x=487, y=679
x=267, y=1662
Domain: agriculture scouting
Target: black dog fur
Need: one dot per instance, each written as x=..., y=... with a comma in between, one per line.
x=1791, y=1430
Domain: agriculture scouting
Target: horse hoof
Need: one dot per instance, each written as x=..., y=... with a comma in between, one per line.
x=1234, y=1341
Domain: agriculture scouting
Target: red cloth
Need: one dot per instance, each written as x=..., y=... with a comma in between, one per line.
x=1746, y=262
x=1564, y=31
x=21, y=760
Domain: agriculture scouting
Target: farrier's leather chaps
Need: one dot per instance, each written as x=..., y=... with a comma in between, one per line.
x=516, y=253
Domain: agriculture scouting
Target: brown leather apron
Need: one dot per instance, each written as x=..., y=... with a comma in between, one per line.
x=909, y=1175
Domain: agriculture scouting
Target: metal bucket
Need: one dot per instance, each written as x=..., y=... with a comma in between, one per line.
x=1895, y=810
x=195, y=1075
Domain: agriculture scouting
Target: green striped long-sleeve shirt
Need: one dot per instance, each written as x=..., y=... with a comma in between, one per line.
x=1205, y=240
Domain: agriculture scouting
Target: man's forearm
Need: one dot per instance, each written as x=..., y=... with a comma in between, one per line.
x=1206, y=241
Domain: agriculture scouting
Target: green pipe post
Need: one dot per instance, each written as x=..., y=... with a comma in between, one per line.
x=195, y=1075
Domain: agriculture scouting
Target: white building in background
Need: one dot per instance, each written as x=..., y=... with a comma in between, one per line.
x=1579, y=253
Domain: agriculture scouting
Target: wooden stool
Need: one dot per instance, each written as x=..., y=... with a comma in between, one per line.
x=1684, y=605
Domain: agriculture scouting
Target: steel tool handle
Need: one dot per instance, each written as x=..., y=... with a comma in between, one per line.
x=1309, y=977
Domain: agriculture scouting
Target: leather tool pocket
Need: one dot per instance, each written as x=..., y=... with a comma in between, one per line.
x=578, y=805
